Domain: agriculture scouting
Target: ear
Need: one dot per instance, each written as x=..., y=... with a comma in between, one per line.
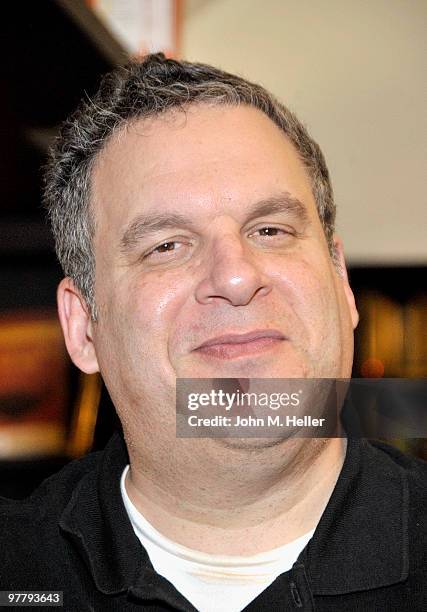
x=76, y=326
x=342, y=271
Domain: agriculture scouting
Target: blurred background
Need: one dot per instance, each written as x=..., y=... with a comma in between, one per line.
x=354, y=72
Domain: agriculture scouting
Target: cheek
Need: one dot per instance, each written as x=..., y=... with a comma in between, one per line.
x=153, y=305
x=134, y=326
x=159, y=292
x=305, y=286
x=307, y=289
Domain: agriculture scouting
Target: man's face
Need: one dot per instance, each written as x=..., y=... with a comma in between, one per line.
x=206, y=227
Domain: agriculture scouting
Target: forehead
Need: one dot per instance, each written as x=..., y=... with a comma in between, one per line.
x=210, y=158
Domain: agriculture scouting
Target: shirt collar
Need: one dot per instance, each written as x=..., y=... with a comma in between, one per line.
x=97, y=523
x=360, y=542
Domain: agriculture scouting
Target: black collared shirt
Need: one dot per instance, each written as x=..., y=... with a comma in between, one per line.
x=368, y=551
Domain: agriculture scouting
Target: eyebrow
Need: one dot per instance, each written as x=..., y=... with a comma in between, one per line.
x=144, y=226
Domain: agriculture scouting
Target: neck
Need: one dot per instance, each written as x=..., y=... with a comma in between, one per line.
x=224, y=499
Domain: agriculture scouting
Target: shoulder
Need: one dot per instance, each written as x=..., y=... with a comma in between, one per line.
x=413, y=468
x=413, y=475
x=395, y=483
x=392, y=463
x=48, y=501
x=35, y=532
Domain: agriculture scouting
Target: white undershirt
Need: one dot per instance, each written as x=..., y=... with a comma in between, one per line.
x=212, y=583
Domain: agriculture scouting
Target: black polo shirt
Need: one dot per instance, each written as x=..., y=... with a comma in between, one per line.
x=367, y=553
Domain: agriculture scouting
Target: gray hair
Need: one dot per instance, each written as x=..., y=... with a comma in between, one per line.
x=147, y=89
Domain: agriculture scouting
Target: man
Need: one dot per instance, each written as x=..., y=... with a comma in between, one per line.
x=194, y=220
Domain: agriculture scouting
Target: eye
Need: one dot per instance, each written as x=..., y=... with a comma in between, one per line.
x=166, y=246
x=166, y=249
x=271, y=232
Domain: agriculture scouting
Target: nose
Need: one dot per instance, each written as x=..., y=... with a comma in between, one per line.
x=233, y=275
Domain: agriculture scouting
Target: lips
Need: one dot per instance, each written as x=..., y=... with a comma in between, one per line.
x=243, y=338
x=235, y=345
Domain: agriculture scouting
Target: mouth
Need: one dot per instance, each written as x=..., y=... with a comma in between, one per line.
x=232, y=346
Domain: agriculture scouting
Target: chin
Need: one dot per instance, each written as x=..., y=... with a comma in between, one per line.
x=251, y=369
x=251, y=443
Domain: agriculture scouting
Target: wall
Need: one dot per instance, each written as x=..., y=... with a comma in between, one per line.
x=354, y=73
